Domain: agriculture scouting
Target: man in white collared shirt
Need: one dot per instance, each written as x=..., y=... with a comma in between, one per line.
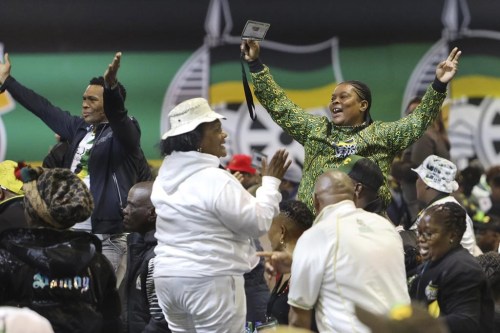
x=348, y=257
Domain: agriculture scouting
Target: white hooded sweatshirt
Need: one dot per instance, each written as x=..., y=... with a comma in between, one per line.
x=206, y=219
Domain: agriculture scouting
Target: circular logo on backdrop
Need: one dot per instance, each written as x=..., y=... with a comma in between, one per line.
x=489, y=136
x=474, y=131
x=474, y=96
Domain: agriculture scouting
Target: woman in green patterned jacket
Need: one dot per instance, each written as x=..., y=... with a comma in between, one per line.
x=351, y=130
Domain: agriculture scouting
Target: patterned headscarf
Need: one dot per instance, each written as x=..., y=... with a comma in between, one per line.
x=55, y=197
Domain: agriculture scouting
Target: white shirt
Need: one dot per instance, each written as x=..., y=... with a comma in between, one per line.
x=206, y=219
x=83, y=149
x=349, y=256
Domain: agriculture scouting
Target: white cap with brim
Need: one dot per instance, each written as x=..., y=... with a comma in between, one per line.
x=186, y=116
x=438, y=173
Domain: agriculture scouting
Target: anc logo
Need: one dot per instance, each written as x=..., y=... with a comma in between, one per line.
x=474, y=115
x=472, y=112
x=307, y=73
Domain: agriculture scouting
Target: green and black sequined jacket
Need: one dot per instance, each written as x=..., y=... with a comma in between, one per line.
x=326, y=144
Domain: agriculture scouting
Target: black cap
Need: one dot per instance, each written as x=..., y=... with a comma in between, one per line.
x=362, y=170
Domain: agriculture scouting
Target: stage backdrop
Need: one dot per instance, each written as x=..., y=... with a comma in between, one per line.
x=306, y=64
x=62, y=78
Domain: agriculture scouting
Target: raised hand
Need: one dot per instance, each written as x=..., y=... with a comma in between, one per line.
x=276, y=262
x=278, y=165
x=239, y=176
x=112, y=70
x=5, y=69
x=446, y=70
x=250, y=49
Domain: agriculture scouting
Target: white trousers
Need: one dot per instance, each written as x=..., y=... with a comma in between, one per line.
x=208, y=304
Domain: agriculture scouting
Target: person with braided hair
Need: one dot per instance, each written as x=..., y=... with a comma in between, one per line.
x=59, y=273
x=351, y=129
x=450, y=281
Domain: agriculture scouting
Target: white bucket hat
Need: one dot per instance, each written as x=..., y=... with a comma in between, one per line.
x=438, y=173
x=186, y=116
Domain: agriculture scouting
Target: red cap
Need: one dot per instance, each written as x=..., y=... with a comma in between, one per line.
x=241, y=163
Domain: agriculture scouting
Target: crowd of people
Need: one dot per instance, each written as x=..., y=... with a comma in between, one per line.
x=378, y=231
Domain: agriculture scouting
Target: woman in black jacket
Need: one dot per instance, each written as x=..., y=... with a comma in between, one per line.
x=450, y=281
x=60, y=274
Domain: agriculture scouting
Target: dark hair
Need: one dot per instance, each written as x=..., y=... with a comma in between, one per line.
x=99, y=81
x=490, y=263
x=451, y=215
x=364, y=93
x=189, y=141
x=493, y=175
x=468, y=178
x=298, y=212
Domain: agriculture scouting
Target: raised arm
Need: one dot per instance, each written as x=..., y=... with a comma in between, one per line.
x=402, y=133
x=111, y=72
x=289, y=116
x=59, y=121
x=252, y=216
x=124, y=128
x=446, y=69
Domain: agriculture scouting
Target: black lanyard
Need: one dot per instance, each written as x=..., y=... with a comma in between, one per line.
x=246, y=88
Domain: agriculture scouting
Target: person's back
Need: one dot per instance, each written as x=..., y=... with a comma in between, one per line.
x=367, y=265
x=61, y=275
x=364, y=263
x=349, y=256
x=58, y=273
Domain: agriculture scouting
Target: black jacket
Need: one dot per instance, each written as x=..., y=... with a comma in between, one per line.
x=12, y=214
x=61, y=275
x=134, y=297
x=117, y=161
x=461, y=290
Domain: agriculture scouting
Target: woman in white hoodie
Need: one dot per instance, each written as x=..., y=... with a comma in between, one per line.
x=205, y=223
